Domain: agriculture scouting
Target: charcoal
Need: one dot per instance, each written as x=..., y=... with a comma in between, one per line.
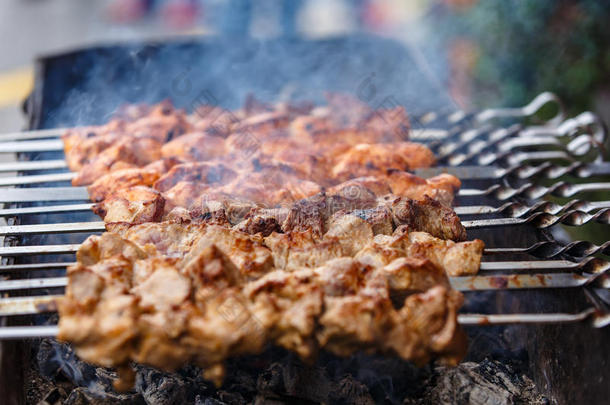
x=271, y=380
x=53, y=397
x=352, y=392
x=263, y=400
x=306, y=382
x=277, y=377
x=489, y=382
x=207, y=401
x=231, y=398
x=158, y=388
x=82, y=396
x=58, y=361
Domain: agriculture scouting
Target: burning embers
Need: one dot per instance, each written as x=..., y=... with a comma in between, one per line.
x=316, y=240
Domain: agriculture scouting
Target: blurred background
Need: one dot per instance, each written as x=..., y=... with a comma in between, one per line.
x=484, y=53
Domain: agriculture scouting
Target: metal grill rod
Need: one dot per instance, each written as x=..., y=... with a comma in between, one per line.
x=28, y=305
x=35, y=266
x=9, y=251
x=47, y=209
x=33, y=165
x=53, y=145
x=33, y=134
x=39, y=178
x=17, y=195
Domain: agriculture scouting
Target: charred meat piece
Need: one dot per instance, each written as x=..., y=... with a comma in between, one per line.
x=427, y=215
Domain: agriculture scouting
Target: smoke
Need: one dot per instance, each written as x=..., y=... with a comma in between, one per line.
x=86, y=87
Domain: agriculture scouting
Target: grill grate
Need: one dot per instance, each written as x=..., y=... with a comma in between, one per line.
x=510, y=155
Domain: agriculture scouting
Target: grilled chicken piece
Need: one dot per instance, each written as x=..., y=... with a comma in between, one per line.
x=162, y=123
x=213, y=120
x=441, y=188
x=121, y=179
x=295, y=250
x=204, y=172
x=133, y=205
x=97, y=248
x=270, y=186
x=83, y=144
x=454, y=258
x=375, y=159
x=122, y=154
x=201, y=294
x=196, y=146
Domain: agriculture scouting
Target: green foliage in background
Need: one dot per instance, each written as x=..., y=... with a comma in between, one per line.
x=528, y=46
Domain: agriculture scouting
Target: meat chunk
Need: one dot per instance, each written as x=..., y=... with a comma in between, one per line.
x=427, y=215
x=134, y=205
x=376, y=159
x=124, y=153
x=121, y=179
x=195, y=147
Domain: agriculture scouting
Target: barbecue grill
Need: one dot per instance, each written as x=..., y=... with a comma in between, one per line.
x=553, y=294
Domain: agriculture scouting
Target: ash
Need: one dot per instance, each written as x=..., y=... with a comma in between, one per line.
x=278, y=377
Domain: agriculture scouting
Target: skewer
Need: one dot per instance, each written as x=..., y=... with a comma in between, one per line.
x=539, y=220
x=548, y=250
x=542, y=220
x=599, y=320
x=516, y=210
x=535, y=192
x=510, y=209
x=523, y=172
x=465, y=283
x=530, y=191
x=49, y=331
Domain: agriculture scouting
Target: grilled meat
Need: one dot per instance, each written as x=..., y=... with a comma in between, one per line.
x=290, y=225
x=277, y=154
x=166, y=294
